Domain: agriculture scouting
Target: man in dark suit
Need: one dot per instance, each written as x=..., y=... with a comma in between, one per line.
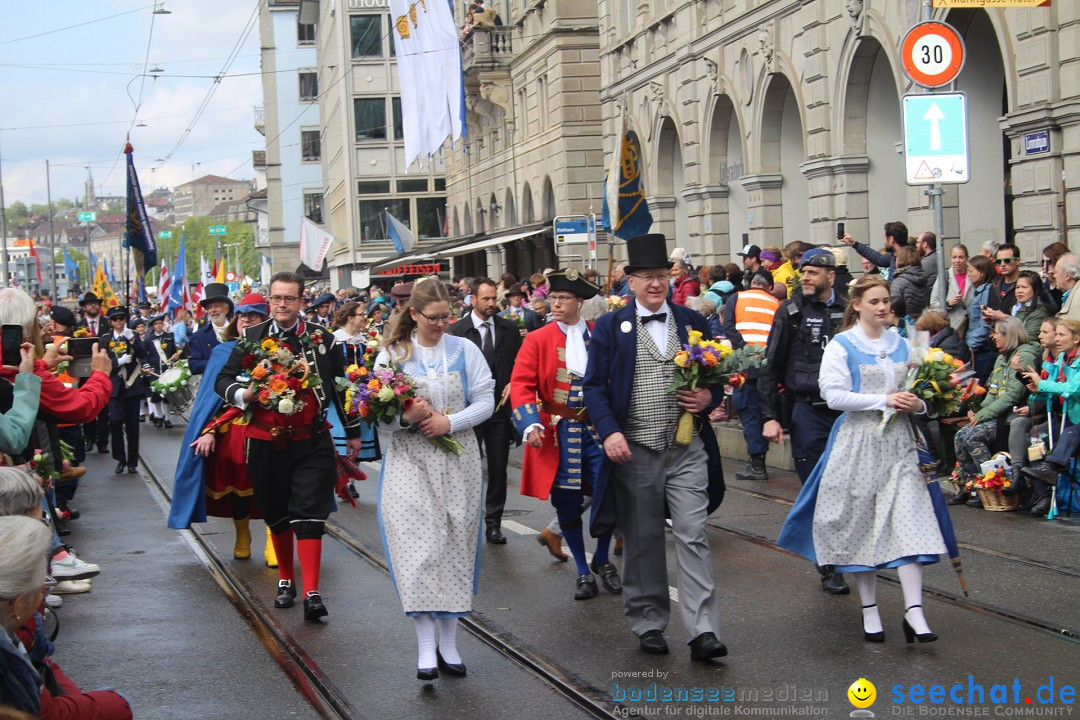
x=520, y=314
x=219, y=308
x=97, y=326
x=499, y=339
x=128, y=389
x=631, y=365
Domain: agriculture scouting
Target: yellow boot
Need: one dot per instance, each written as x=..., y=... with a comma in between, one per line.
x=268, y=553
x=242, y=548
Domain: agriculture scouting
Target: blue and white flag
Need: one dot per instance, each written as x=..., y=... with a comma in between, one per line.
x=400, y=234
x=430, y=75
x=625, y=211
x=179, y=277
x=71, y=268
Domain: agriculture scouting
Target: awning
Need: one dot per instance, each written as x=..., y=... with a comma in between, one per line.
x=395, y=262
x=489, y=242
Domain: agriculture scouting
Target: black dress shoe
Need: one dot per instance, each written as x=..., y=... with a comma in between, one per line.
x=705, y=647
x=833, y=582
x=103, y=449
x=455, y=669
x=1041, y=506
x=314, y=608
x=609, y=577
x=974, y=501
x=132, y=469
x=120, y=467
x=168, y=424
x=653, y=642
x=353, y=491
x=156, y=421
x=495, y=536
x=586, y=587
x=286, y=594
x=427, y=673
x=959, y=498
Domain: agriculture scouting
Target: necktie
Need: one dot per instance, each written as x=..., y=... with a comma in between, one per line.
x=488, y=346
x=659, y=317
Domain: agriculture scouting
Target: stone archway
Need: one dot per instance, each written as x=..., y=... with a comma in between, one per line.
x=781, y=181
x=509, y=209
x=668, y=206
x=528, y=216
x=725, y=195
x=548, y=201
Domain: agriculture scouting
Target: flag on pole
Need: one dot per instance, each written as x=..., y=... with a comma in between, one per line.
x=93, y=265
x=205, y=277
x=178, y=286
x=400, y=234
x=140, y=288
x=71, y=268
x=109, y=274
x=429, y=71
x=104, y=290
x=163, y=287
x=314, y=242
x=219, y=276
x=37, y=259
x=625, y=212
x=138, y=234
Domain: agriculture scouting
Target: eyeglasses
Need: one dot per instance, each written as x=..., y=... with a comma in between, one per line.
x=561, y=298
x=649, y=279
x=283, y=299
x=1005, y=261
x=435, y=319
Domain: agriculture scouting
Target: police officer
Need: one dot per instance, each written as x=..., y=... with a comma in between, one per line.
x=801, y=329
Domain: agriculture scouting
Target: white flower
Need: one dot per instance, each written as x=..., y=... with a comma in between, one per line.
x=386, y=394
x=286, y=406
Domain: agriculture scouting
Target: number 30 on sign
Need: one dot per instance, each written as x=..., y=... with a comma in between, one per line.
x=932, y=54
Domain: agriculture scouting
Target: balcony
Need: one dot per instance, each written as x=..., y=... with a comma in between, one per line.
x=260, y=119
x=487, y=48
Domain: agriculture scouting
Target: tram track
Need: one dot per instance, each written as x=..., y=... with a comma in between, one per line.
x=305, y=673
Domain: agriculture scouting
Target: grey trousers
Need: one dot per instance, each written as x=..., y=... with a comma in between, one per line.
x=642, y=486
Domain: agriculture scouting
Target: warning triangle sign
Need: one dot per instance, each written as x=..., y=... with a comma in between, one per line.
x=924, y=172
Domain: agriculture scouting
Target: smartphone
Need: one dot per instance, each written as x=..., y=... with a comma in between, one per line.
x=11, y=337
x=81, y=347
x=840, y=231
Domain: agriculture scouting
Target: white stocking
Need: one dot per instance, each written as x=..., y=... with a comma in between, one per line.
x=911, y=582
x=425, y=641
x=448, y=640
x=866, y=583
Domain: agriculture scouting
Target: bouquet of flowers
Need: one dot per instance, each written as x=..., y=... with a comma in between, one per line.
x=119, y=347
x=616, y=302
x=936, y=378
x=382, y=395
x=996, y=480
x=277, y=377
x=41, y=464
x=704, y=363
x=81, y=333
x=519, y=320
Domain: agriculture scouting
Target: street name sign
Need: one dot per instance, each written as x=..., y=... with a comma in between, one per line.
x=935, y=139
x=570, y=231
x=1037, y=143
x=217, y=230
x=90, y=216
x=932, y=54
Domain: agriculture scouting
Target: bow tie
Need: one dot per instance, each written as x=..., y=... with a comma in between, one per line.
x=658, y=317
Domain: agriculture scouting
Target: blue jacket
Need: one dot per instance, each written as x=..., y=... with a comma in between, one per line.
x=203, y=341
x=978, y=332
x=608, y=382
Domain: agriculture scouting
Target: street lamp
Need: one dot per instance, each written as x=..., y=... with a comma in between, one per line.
x=159, y=9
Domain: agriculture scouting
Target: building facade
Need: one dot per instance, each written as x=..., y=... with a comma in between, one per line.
x=363, y=155
x=289, y=119
x=198, y=197
x=778, y=118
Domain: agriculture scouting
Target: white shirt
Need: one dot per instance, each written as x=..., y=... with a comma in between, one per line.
x=478, y=323
x=657, y=331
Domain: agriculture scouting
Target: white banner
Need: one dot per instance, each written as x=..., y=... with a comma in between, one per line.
x=314, y=244
x=361, y=279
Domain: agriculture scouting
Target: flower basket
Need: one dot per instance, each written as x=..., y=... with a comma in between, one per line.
x=995, y=501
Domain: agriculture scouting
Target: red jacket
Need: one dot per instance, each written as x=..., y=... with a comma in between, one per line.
x=70, y=405
x=685, y=287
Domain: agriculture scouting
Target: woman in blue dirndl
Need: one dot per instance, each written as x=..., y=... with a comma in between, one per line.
x=866, y=506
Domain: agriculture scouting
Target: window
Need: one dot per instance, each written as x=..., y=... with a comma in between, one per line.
x=310, y=146
x=309, y=85
x=412, y=186
x=373, y=188
x=373, y=219
x=431, y=217
x=366, y=35
x=440, y=184
x=370, y=116
x=399, y=129
x=305, y=33
x=313, y=207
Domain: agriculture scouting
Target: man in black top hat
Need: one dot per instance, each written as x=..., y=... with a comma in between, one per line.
x=128, y=389
x=95, y=324
x=751, y=256
x=219, y=308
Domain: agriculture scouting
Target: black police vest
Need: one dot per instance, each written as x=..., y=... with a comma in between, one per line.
x=813, y=325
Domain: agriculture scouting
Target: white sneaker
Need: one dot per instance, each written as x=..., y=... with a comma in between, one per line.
x=72, y=568
x=53, y=601
x=72, y=587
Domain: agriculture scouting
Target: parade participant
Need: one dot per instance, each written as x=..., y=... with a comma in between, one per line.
x=562, y=455
x=430, y=499
x=161, y=353
x=219, y=307
x=96, y=431
x=802, y=327
x=128, y=389
x=631, y=364
x=499, y=340
x=865, y=507
x=352, y=340
x=212, y=478
x=518, y=313
x=137, y=325
x=290, y=457
x=351, y=322
x=748, y=320
x=323, y=307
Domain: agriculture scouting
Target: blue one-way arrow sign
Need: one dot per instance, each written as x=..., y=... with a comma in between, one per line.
x=935, y=139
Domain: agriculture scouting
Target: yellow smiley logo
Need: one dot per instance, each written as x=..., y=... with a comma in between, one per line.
x=862, y=693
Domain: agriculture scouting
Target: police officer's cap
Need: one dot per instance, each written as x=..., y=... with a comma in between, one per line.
x=818, y=257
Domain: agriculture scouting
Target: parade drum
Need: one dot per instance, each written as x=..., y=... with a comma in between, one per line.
x=176, y=387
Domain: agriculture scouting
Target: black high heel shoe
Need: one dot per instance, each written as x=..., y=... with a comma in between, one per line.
x=876, y=637
x=427, y=673
x=909, y=632
x=455, y=669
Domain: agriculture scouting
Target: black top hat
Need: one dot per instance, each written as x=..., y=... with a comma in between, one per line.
x=118, y=312
x=571, y=281
x=62, y=316
x=647, y=251
x=217, y=292
x=89, y=298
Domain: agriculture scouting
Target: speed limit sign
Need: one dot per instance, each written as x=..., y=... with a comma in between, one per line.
x=932, y=54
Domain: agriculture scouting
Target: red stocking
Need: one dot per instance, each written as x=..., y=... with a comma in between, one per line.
x=283, y=546
x=310, y=552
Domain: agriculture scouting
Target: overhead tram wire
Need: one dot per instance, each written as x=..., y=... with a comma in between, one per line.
x=71, y=27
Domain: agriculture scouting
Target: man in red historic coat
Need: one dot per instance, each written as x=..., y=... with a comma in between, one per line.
x=562, y=455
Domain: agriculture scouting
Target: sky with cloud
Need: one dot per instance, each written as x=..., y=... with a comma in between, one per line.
x=72, y=71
